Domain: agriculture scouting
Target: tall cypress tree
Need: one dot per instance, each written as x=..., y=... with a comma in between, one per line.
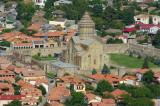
x=145, y=64
x=150, y=20
x=105, y=69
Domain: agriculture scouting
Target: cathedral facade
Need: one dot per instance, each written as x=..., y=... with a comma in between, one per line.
x=84, y=50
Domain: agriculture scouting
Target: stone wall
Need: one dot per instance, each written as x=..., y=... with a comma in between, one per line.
x=116, y=48
x=43, y=51
x=149, y=51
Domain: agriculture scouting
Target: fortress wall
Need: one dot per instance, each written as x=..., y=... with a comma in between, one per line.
x=115, y=48
x=43, y=51
x=144, y=50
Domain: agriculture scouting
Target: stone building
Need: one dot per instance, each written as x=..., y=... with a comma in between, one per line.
x=84, y=50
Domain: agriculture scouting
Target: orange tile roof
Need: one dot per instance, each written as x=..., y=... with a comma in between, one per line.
x=34, y=27
x=6, y=37
x=30, y=91
x=38, y=19
x=54, y=103
x=10, y=39
x=71, y=31
x=57, y=93
x=11, y=67
x=96, y=76
x=40, y=81
x=10, y=79
x=4, y=61
x=111, y=79
x=20, y=82
x=19, y=70
x=91, y=96
x=71, y=79
x=29, y=100
x=33, y=73
x=129, y=77
x=6, y=72
x=117, y=93
x=105, y=102
x=39, y=34
x=56, y=33
x=61, y=84
x=8, y=86
x=142, y=71
x=23, y=44
x=66, y=42
x=156, y=74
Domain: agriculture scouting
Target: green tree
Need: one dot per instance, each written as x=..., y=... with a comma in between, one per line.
x=110, y=41
x=128, y=16
x=41, y=87
x=98, y=22
x=15, y=103
x=66, y=74
x=137, y=26
x=105, y=69
x=150, y=20
x=148, y=77
x=97, y=10
x=68, y=102
x=145, y=64
x=104, y=86
x=89, y=87
x=17, y=92
x=78, y=99
x=131, y=54
x=141, y=92
x=139, y=56
x=40, y=99
x=94, y=72
x=5, y=81
x=156, y=40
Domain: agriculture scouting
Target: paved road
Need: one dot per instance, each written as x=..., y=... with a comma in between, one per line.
x=51, y=85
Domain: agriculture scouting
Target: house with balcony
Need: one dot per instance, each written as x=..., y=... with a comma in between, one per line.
x=144, y=18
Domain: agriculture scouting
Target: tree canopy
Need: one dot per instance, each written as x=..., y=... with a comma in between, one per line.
x=15, y=103
x=105, y=69
x=148, y=77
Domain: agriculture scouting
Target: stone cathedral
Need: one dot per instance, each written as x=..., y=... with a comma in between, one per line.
x=84, y=50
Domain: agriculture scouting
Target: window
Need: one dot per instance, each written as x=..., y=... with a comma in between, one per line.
x=94, y=61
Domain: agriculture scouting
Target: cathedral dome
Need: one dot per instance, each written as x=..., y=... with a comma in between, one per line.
x=86, y=21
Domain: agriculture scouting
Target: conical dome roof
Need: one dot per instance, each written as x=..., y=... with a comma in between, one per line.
x=86, y=21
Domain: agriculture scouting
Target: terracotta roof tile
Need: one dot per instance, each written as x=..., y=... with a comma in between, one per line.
x=142, y=71
x=39, y=34
x=23, y=44
x=9, y=79
x=11, y=67
x=91, y=96
x=34, y=27
x=129, y=77
x=117, y=93
x=96, y=76
x=54, y=103
x=30, y=100
x=71, y=79
x=33, y=73
x=6, y=86
x=56, y=33
x=4, y=61
x=156, y=74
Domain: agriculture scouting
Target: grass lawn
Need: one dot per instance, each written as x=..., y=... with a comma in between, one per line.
x=50, y=75
x=47, y=58
x=129, y=62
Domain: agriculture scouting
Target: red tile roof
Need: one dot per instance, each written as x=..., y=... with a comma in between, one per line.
x=30, y=100
x=54, y=103
x=96, y=76
x=34, y=27
x=129, y=29
x=11, y=67
x=11, y=97
x=56, y=33
x=117, y=93
x=71, y=79
x=129, y=77
x=156, y=74
x=118, y=36
x=142, y=71
x=91, y=96
x=39, y=34
x=8, y=86
x=57, y=93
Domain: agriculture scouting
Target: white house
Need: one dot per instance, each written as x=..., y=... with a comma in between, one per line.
x=154, y=29
x=93, y=98
x=139, y=73
x=157, y=77
x=131, y=80
x=59, y=21
x=62, y=2
x=144, y=18
x=40, y=3
x=123, y=37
